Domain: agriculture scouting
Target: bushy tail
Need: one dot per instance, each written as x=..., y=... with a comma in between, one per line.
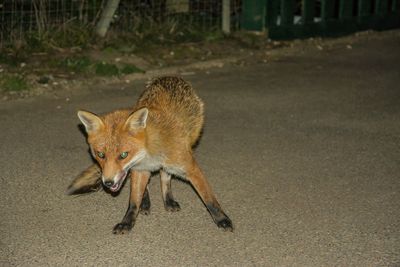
x=87, y=181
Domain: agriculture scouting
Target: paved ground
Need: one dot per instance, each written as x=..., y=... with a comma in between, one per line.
x=303, y=154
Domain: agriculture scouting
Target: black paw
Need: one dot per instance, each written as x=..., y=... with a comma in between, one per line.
x=144, y=210
x=172, y=205
x=122, y=228
x=225, y=224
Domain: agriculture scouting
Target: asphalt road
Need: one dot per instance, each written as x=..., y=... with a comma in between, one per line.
x=303, y=153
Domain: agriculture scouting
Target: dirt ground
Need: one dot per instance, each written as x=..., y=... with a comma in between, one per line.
x=302, y=149
x=68, y=69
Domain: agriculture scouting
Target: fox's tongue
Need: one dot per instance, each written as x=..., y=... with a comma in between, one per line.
x=118, y=184
x=114, y=187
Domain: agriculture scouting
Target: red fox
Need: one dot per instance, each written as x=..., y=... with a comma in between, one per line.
x=158, y=134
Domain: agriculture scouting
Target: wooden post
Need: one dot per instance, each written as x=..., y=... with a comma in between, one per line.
x=106, y=17
x=226, y=16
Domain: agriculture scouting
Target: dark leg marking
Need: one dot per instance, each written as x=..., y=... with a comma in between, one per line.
x=145, y=206
x=220, y=218
x=170, y=204
x=127, y=222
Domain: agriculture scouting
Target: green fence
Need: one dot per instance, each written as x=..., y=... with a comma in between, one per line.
x=288, y=19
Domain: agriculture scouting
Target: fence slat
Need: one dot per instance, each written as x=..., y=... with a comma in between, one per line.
x=346, y=9
x=338, y=17
x=381, y=7
x=327, y=10
x=308, y=13
x=272, y=13
x=226, y=16
x=364, y=19
x=396, y=6
x=287, y=12
x=364, y=8
x=253, y=15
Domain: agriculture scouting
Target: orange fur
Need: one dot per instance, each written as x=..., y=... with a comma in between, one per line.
x=156, y=135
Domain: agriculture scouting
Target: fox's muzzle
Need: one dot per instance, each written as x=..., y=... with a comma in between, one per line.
x=114, y=184
x=108, y=183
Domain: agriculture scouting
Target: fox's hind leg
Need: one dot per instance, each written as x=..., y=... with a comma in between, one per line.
x=200, y=184
x=139, y=181
x=169, y=202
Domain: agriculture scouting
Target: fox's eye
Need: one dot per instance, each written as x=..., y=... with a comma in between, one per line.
x=123, y=155
x=101, y=155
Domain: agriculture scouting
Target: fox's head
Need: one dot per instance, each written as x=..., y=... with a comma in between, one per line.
x=117, y=142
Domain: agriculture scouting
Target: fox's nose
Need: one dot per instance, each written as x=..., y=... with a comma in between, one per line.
x=108, y=183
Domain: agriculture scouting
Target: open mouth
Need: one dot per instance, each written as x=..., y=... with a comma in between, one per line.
x=118, y=184
x=116, y=187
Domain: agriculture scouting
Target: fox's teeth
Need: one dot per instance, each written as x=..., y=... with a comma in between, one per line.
x=115, y=187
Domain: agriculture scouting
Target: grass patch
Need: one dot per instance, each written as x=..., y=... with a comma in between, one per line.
x=84, y=65
x=13, y=83
x=11, y=60
x=129, y=69
x=106, y=69
x=66, y=49
x=67, y=35
x=146, y=34
x=76, y=64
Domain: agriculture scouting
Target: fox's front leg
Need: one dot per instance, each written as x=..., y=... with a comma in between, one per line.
x=145, y=206
x=139, y=181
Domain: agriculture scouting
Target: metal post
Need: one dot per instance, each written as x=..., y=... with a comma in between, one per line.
x=226, y=16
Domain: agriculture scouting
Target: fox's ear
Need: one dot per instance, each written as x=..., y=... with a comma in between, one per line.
x=91, y=121
x=137, y=119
